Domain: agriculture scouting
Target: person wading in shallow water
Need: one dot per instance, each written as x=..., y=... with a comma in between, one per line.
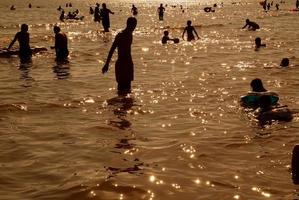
x=104, y=13
x=60, y=47
x=25, y=52
x=124, y=68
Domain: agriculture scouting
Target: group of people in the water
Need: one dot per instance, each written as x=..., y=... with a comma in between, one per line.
x=102, y=14
x=25, y=51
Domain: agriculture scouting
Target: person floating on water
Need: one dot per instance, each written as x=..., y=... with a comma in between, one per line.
x=134, y=10
x=258, y=43
x=251, y=25
x=161, y=11
x=124, y=68
x=22, y=36
x=104, y=13
x=166, y=38
x=190, y=29
x=97, y=16
x=61, y=46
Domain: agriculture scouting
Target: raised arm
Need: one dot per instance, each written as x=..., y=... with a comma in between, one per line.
x=13, y=41
x=112, y=49
x=111, y=12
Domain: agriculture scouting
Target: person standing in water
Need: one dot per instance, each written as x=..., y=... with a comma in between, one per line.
x=161, y=11
x=105, y=17
x=134, y=10
x=60, y=47
x=190, y=29
x=258, y=43
x=25, y=52
x=97, y=17
x=124, y=68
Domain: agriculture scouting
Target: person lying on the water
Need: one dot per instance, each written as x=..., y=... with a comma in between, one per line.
x=24, y=47
x=251, y=25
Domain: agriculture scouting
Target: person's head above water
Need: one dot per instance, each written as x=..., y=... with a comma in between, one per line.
x=56, y=29
x=131, y=23
x=24, y=27
x=284, y=62
x=189, y=22
x=258, y=41
x=166, y=33
x=257, y=85
x=247, y=20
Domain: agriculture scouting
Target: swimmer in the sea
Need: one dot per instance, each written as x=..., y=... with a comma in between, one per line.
x=166, y=38
x=190, y=29
x=251, y=25
x=285, y=62
x=257, y=85
x=258, y=43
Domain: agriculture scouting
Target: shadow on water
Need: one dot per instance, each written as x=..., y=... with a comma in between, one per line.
x=62, y=70
x=24, y=68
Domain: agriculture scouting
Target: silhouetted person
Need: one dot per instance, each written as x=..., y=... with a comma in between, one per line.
x=124, y=68
x=62, y=17
x=66, y=5
x=277, y=6
x=161, y=11
x=105, y=17
x=258, y=43
x=12, y=7
x=59, y=8
x=265, y=5
x=166, y=38
x=295, y=165
x=251, y=25
x=61, y=45
x=91, y=11
x=268, y=6
x=70, y=5
x=134, y=10
x=97, y=16
x=24, y=47
x=285, y=62
x=29, y=6
x=257, y=85
x=190, y=29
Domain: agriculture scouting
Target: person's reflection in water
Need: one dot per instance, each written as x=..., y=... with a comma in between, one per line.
x=25, y=74
x=122, y=104
x=62, y=70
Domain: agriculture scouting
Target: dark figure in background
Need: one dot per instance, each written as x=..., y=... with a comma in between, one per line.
x=105, y=17
x=257, y=85
x=59, y=8
x=66, y=5
x=12, y=7
x=62, y=17
x=190, y=29
x=258, y=43
x=91, y=11
x=70, y=5
x=265, y=5
x=277, y=6
x=134, y=10
x=251, y=25
x=97, y=16
x=297, y=4
x=29, y=6
x=166, y=38
x=285, y=62
x=268, y=6
x=124, y=68
x=60, y=47
x=161, y=11
x=24, y=47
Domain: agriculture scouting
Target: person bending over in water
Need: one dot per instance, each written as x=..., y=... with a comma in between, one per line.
x=251, y=25
x=25, y=52
x=60, y=47
x=124, y=68
x=166, y=38
x=190, y=29
x=258, y=43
